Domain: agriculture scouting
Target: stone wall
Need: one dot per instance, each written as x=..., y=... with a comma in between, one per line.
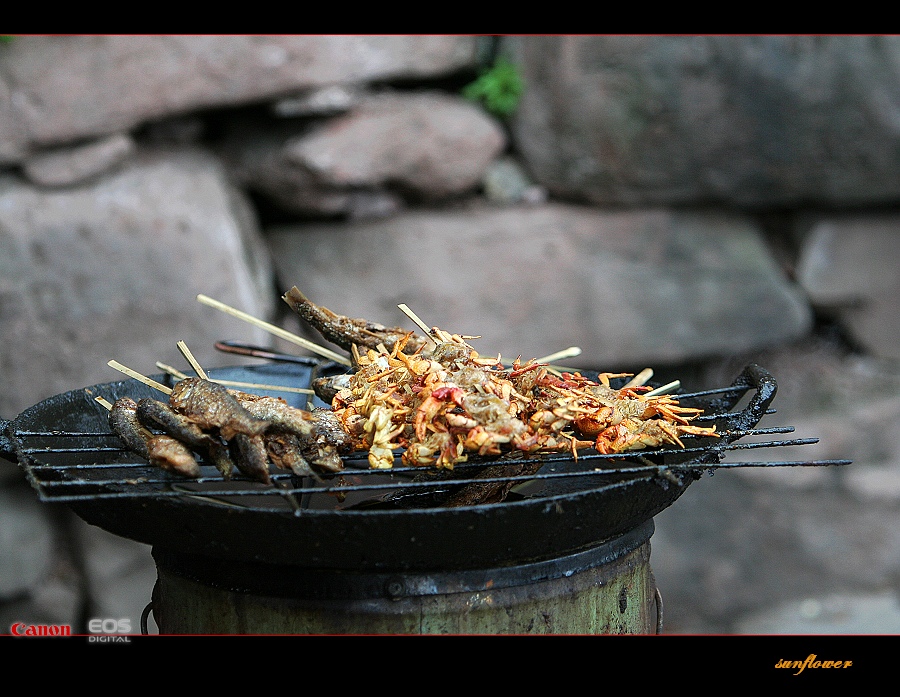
x=686, y=203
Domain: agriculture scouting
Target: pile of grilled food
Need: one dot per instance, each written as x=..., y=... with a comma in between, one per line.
x=431, y=398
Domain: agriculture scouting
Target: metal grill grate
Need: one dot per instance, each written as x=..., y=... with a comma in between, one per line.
x=402, y=519
x=92, y=465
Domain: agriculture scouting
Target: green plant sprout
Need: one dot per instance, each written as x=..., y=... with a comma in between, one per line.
x=499, y=88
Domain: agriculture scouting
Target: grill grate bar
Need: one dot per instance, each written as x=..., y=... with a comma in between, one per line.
x=84, y=465
x=724, y=415
x=57, y=490
x=650, y=470
x=95, y=434
x=779, y=463
x=352, y=457
x=734, y=389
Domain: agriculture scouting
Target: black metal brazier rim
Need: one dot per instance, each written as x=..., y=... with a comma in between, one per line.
x=482, y=536
x=291, y=581
x=516, y=531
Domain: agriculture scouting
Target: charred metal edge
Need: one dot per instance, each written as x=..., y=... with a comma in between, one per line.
x=7, y=450
x=329, y=584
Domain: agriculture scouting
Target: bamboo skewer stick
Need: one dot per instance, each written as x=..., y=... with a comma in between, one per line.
x=277, y=331
x=570, y=352
x=444, y=336
x=174, y=372
x=674, y=385
x=640, y=379
x=186, y=352
x=234, y=383
x=433, y=334
x=141, y=378
x=105, y=402
x=432, y=331
x=404, y=308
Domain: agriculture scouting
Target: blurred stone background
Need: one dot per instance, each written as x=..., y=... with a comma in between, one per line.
x=687, y=203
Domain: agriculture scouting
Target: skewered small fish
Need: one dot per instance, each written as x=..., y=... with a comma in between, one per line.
x=346, y=331
x=210, y=405
x=329, y=429
x=318, y=434
x=160, y=450
x=124, y=423
x=172, y=455
x=251, y=457
x=155, y=414
x=326, y=388
x=286, y=451
x=277, y=412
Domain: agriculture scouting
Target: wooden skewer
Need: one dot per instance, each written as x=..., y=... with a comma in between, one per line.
x=640, y=379
x=234, y=383
x=674, y=385
x=186, y=352
x=174, y=372
x=404, y=308
x=104, y=402
x=481, y=360
x=277, y=331
x=433, y=334
x=142, y=378
x=570, y=352
x=444, y=336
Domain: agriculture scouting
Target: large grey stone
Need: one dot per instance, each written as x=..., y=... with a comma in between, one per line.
x=748, y=548
x=848, y=266
x=56, y=89
x=424, y=145
x=740, y=120
x=112, y=271
x=431, y=143
x=629, y=288
x=76, y=164
x=26, y=542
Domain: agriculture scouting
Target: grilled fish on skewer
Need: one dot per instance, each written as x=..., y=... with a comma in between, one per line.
x=277, y=412
x=328, y=441
x=326, y=388
x=346, y=331
x=155, y=414
x=317, y=433
x=211, y=405
x=124, y=423
x=251, y=457
x=329, y=429
x=161, y=450
x=286, y=452
x=173, y=455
